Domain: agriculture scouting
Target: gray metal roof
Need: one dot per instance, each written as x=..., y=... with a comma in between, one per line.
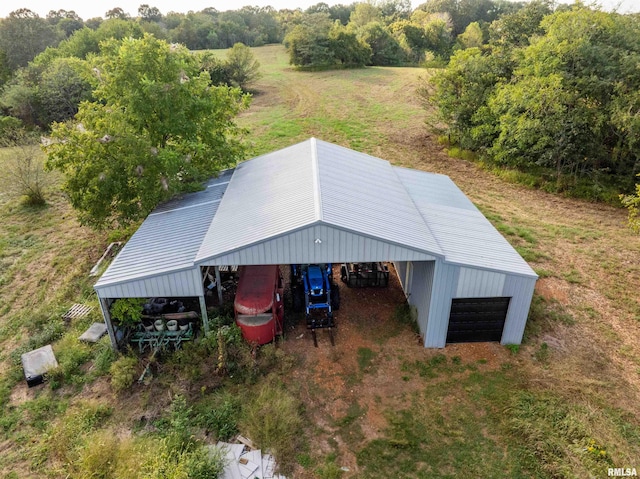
x=465, y=235
x=315, y=182
x=308, y=189
x=170, y=237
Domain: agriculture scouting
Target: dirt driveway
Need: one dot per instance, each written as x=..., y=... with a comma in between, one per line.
x=347, y=388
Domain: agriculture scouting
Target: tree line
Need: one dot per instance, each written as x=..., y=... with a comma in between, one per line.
x=552, y=93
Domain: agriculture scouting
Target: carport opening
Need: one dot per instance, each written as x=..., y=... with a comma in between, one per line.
x=145, y=320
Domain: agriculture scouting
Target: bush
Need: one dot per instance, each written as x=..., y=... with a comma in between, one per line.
x=123, y=372
x=66, y=435
x=71, y=354
x=23, y=169
x=219, y=414
x=273, y=420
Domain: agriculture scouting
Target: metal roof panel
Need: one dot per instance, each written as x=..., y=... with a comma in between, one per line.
x=465, y=235
x=170, y=237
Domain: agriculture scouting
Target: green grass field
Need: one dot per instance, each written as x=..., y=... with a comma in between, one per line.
x=565, y=404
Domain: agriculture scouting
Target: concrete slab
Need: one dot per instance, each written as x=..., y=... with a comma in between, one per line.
x=38, y=362
x=94, y=333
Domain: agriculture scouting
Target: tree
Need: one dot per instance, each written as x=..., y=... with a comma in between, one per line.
x=23, y=34
x=348, y=50
x=117, y=13
x=308, y=42
x=394, y=10
x=242, y=66
x=515, y=29
x=472, y=36
x=157, y=127
x=149, y=14
x=384, y=47
x=196, y=31
x=63, y=85
x=632, y=203
x=67, y=21
x=462, y=93
x=364, y=13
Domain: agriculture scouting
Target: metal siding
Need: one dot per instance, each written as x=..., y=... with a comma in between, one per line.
x=445, y=283
x=520, y=290
x=351, y=187
x=180, y=283
x=300, y=247
x=421, y=287
x=274, y=192
x=401, y=270
x=476, y=283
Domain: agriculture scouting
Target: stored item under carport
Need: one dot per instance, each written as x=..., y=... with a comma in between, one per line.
x=314, y=282
x=364, y=275
x=258, y=306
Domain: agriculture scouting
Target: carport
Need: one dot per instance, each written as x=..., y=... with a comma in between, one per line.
x=315, y=202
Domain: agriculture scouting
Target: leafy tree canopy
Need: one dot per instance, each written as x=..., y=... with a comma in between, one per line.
x=24, y=34
x=157, y=128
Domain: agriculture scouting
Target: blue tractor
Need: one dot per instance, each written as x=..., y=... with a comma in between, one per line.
x=313, y=286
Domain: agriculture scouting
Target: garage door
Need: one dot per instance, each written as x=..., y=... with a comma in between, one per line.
x=477, y=319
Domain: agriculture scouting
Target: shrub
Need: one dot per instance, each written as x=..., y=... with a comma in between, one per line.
x=66, y=434
x=272, y=419
x=71, y=353
x=123, y=372
x=220, y=414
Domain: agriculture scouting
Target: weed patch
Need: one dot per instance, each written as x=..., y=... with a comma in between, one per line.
x=365, y=359
x=272, y=419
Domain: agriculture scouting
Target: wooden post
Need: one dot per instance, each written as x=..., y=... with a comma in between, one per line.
x=104, y=306
x=218, y=284
x=203, y=312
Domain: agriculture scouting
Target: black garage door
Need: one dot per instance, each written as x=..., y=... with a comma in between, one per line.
x=477, y=319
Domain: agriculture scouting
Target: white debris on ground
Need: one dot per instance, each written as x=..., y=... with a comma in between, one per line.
x=243, y=461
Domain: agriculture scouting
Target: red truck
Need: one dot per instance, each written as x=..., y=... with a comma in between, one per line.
x=258, y=306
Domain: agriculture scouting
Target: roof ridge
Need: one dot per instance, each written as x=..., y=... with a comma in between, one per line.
x=315, y=171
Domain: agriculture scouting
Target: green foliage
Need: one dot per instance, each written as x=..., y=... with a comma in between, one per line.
x=407, y=314
x=385, y=48
x=329, y=470
x=348, y=50
x=272, y=420
x=308, y=42
x=124, y=371
x=24, y=34
x=157, y=128
x=65, y=436
x=242, y=66
x=127, y=311
x=632, y=203
x=552, y=93
x=219, y=414
x=71, y=354
x=472, y=37
x=24, y=174
x=62, y=86
x=103, y=357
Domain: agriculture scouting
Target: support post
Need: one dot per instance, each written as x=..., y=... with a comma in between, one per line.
x=203, y=312
x=104, y=306
x=218, y=284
